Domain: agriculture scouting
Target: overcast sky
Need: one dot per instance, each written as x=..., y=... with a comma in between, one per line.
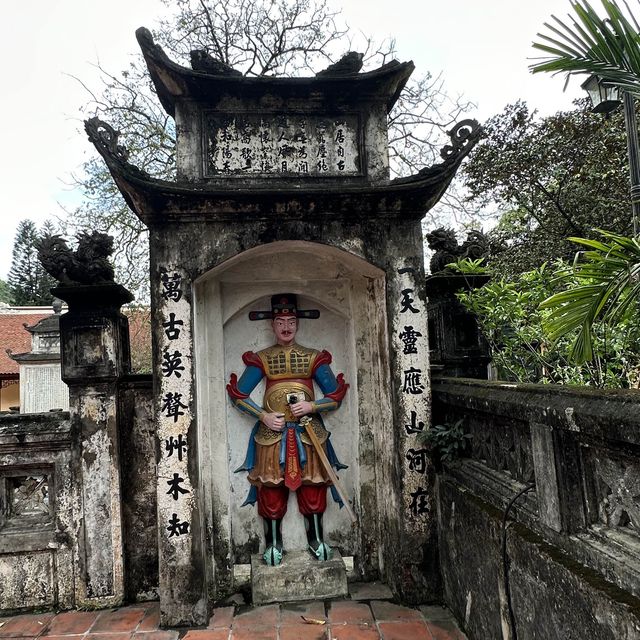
x=480, y=47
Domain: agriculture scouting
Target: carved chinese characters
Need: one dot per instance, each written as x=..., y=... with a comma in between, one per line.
x=410, y=341
x=294, y=145
x=175, y=493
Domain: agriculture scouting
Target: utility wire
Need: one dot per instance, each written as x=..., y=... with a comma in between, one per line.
x=505, y=558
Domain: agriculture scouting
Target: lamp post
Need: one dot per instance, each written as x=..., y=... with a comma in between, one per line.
x=605, y=99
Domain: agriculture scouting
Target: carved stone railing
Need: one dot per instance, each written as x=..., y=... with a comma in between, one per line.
x=38, y=507
x=581, y=446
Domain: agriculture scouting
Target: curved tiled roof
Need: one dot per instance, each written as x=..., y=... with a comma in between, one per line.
x=14, y=336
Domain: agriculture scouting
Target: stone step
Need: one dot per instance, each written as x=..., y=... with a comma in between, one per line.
x=299, y=577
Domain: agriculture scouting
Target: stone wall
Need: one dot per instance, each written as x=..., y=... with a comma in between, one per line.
x=573, y=545
x=38, y=510
x=40, y=522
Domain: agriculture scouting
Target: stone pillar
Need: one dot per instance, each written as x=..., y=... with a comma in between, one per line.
x=95, y=355
x=411, y=565
x=557, y=465
x=183, y=599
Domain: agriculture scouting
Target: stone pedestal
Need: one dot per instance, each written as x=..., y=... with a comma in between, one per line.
x=299, y=577
x=458, y=349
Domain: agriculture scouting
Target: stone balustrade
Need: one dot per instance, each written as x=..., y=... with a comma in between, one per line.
x=576, y=540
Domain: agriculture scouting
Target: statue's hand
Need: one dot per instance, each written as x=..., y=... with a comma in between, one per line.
x=300, y=409
x=274, y=421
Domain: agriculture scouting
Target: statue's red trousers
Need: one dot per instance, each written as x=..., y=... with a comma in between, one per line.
x=272, y=501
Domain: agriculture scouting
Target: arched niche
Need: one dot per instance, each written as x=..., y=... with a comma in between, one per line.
x=349, y=292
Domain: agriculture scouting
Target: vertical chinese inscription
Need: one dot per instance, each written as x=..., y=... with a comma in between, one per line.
x=175, y=492
x=282, y=145
x=410, y=342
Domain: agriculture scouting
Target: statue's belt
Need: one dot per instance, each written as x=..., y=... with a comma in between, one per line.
x=266, y=436
x=275, y=400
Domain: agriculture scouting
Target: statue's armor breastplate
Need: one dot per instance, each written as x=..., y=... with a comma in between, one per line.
x=288, y=362
x=289, y=372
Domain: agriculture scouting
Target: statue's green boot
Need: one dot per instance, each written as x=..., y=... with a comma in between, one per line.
x=273, y=553
x=320, y=550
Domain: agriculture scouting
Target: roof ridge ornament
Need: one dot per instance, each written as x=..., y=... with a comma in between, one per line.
x=349, y=64
x=202, y=60
x=148, y=45
x=464, y=135
x=208, y=78
x=86, y=265
x=105, y=137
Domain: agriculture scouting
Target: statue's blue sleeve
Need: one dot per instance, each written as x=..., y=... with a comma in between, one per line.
x=240, y=391
x=329, y=385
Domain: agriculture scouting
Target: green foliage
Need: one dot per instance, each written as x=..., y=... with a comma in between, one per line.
x=29, y=283
x=446, y=442
x=469, y=266
x=512, y=321
x=603, y=284
x=568, y=173
x=552, y=177
x=5, y=293
x=607, y=47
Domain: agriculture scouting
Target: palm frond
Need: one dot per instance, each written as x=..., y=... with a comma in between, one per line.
x=604, y=285
x=589, y=44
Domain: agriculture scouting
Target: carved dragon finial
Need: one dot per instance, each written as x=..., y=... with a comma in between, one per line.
x=88, y=264
x=444, y=244
x=202, y=60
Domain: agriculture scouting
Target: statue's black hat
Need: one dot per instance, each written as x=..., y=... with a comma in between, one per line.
x=284, y=304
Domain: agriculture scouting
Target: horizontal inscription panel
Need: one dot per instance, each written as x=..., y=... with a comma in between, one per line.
x=282, y=145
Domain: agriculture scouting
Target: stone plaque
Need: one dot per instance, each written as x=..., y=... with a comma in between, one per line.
x=282, y=145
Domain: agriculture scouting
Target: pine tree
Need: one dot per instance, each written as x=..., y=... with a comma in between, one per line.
x=45, y=281
x=28, y=281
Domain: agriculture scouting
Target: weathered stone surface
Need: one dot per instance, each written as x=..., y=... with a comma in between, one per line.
x=95, y=355
x=27, y=580
x=457, y=348
x=553, y=597
x=235, y=229
x=362, y=99
x=36, y=536
x=94, y=333
x=299, y=577
x=369, y=591
x=183, y=571
x=579, y=445
x=100, y=578
x=139, y=505
x=352, y=271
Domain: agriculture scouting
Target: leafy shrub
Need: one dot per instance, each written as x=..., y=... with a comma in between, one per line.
x=446, y=442
x=508, y=314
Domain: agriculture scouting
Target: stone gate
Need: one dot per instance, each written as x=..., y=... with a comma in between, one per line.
x=283, y=185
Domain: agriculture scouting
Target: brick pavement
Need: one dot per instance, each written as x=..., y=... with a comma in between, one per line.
x=343, y=620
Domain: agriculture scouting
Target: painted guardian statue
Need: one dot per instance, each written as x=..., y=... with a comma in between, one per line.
x=289, y=448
